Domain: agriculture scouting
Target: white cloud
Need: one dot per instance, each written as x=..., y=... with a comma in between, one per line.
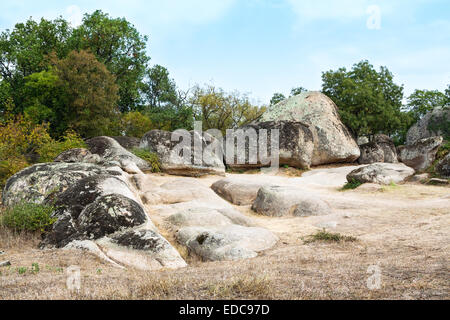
x=74, y=15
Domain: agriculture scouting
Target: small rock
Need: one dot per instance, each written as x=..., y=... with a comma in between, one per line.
x=437, y=181
x=5, y=263
x=382, y=173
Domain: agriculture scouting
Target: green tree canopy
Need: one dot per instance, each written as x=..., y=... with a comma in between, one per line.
x=220, y=110
x=421, y=102
x=276, y=98
x=369, y=101
x=117, y=44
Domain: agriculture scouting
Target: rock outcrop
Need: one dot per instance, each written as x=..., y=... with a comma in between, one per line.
x=295, y=145
x=110, y=150
x=128, y=142
x=205, y=159
x=381, y=149
x=434, y=123
x=78, y=155
x=237, y=192
x=382, y=173
x=443, y=167
x=421, y=154
x=280, y=201
x=96, y=209
x=332, y=141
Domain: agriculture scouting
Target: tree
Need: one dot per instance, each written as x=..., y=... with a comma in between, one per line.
x=369, y=102
x=90, y=95
x=159, y=89
x=298, y=90
x=117, y=44
x=276, y=98
x=421, y=102
x=135, y=124
x=23, y=51
x=220, y=110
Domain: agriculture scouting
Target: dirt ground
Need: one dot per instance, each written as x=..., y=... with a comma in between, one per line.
x=401, y=252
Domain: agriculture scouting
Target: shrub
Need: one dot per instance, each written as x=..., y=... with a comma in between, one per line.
x=9, y=167
x=326, y=236
x=135, y=124
x=353, y=184
x=442, y=152
x=151, y=157
x=28, y=217
x=50, y=149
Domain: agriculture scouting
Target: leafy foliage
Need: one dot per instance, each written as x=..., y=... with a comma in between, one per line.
x=421, y=102
x=50, y=150
x=135, y=124
x=151, y=157
x=353, y=184
x=220, y=110
x=369, y=101
x=28, y=217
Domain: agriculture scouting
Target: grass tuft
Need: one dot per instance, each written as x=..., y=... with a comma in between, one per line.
x=350, y=185
x=326, y=236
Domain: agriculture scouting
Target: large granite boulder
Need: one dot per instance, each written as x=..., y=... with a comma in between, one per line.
x=206, y=159
x=96, y=209
x=110, y=150
x=295, y=145
x=443, y=167
x=381, y=173
x=434, y=123
x=128, y=143
x=35, y=183
x=332, y=140
x=280, y=201
x=421, y=154
x=381, y=149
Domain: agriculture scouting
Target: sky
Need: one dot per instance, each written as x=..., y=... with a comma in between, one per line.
x=260, y=47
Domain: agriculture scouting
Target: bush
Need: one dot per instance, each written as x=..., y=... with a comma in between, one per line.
x=28, y=217
x=353, y=184
x=9, y=167
x=151, y=157
x=135, y=124
x=49, y=150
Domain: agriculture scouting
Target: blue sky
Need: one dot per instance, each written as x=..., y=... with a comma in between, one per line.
x=264, y=46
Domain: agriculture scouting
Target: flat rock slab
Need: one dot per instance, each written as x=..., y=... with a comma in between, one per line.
x=382, y=173
x=280, y=201
x=237, y=192
x=232, y=242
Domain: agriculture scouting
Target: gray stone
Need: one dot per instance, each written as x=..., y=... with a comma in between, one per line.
x=424, y=128
x=443, y=167
x=437, y=181
x=237, y=192
x=173, y=162
x=280, y=201
x=232, y=242
x=381, y=149
x=5, y=263
x=382, y=173
x=296, y=145
x=332, y=140
x=110, y=150
x=128, y=143
x=78, y=155
x=35, y=183
x=421, y=154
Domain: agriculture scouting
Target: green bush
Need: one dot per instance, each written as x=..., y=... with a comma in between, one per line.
x=49, y=150
x=442, y=152
x=28, y=217
x=151, y=157
x=326, y=236
x=353, y=184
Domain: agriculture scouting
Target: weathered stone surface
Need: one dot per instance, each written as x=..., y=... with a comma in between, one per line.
x=110, y=150
x=437, y=181
x=232, y=242
x=78, y=155
x=332, y=140
x=35, y=183
x=127, y=142
x=202, y=161
x=426, y=127
x=382, y=173
x=419, y=177
x=5, y=263
x=280, y=201
x=443, y=167
x=296, y=145
x=421, y=154
x=237, y=192
x=381, y=149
